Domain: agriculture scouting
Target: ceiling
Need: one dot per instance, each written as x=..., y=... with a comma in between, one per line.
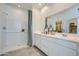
x=41, y=5
x=22, y=5
x=29, y=6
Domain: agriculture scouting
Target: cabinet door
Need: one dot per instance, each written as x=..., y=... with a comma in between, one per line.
x=77, y=49
x=44, y=45
x=56, y=49
x=37, y=40
x=41, y=43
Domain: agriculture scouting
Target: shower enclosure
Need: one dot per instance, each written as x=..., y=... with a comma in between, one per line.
x=15, y=28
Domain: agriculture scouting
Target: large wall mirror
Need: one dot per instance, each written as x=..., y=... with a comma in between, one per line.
x=66, y=21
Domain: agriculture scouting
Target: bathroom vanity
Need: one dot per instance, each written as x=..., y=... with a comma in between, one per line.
x=60, y=35
x=57, y=44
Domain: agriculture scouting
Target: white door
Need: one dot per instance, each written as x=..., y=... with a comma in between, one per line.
x=2, y=31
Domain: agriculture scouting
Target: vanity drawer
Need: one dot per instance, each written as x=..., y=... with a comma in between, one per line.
x=64, y=43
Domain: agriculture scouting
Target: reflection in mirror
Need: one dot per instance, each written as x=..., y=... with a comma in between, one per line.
x=59, y=26
x=66, y=21
x=46, y=26
x=72, y=24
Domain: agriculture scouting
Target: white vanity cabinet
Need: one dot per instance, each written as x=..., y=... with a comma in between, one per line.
x=37, y=40
x=77, y=49
x=44, y=45
x=41, y=43
x=53, y=46
x=58, y=47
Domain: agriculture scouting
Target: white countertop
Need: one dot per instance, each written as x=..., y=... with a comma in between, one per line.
x=69, y=37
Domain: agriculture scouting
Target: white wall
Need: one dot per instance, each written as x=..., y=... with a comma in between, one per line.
x=2, y=32
x=36, y=20
x=55, y=8
x=16, y=19
x=0, y=41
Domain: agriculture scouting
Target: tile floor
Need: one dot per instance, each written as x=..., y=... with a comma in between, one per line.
x=29, y=51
